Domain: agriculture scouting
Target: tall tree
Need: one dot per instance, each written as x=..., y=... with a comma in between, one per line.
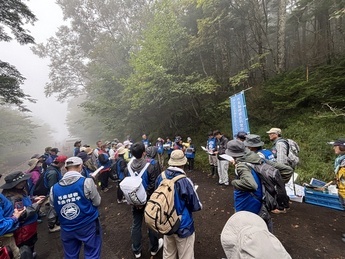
x=13, y=15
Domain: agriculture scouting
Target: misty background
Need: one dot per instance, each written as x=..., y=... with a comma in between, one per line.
x=36, y=69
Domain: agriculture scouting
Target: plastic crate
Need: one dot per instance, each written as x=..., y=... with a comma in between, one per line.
x=322, y=199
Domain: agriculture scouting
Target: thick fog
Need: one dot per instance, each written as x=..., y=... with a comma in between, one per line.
x=36, y=70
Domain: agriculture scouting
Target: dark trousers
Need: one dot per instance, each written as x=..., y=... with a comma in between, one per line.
x=104, y=179
x=190, y=163
x=119, y=192
x=138, y=217
x=89, y=235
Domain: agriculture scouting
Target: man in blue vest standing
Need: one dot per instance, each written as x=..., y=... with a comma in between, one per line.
x=75, y=199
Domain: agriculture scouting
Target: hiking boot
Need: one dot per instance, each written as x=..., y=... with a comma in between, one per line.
x=122, y=201
x=56, y=228
x=137, y=254
x=160, y=245
x=276, y=211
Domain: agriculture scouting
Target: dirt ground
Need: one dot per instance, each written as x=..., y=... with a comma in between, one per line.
x=306, y=231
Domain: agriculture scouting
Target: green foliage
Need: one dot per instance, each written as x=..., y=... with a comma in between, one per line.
x=13, y=15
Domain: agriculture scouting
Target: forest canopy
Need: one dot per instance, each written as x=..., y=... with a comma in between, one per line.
x=168, y=67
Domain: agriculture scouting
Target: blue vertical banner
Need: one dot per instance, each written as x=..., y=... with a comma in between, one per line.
x=239, y=117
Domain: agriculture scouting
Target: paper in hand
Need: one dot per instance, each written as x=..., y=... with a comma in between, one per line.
x=227, y=157
x=95, y=173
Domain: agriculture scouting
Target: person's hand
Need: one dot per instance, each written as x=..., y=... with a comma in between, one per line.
x=39, y=199
x=17, y=213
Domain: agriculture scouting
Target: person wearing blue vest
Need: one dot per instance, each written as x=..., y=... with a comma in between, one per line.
x=181, y=243
x=145, y=141
x=168, y=146
x=254, y=143
x=190, y=154
x=160, y=151
x=248, y=192
x=137, y=163
x=212, y=158
x=76, y=200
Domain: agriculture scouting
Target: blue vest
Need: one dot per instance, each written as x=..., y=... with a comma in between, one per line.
x=190, y=152
x=211, y=144
x=146, y=143
x=72, y=207
x=160, y=149
x=267, y=154
x=249, y=201
x=169, y=150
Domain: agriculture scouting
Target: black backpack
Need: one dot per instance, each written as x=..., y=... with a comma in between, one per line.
x=40, y=188
x=113, y=174
x=271, y=181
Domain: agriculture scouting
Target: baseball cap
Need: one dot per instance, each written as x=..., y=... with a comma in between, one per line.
x=60, y=159
x=275, y=131
x=338, y=142
x=73, y=161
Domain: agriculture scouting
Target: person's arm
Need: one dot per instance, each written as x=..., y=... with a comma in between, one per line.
x=187, y=191
x=91, y=192
x=152, y=176
x=246, y=181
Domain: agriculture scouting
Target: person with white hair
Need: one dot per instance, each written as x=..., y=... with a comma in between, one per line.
x=245, y=235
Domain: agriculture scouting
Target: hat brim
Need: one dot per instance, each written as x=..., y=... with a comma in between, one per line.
x=253, y=145
x=13, y=184
x=234, y=154
x=179, y=162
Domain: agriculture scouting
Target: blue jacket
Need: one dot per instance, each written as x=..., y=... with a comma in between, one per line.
x=186, y=201
x=7, y=223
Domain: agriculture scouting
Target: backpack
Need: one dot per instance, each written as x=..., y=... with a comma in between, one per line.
x=40, y=188
x=292, y=152
x=132, y=186
x=160, y=213
x=271, y=181
x=113, y=173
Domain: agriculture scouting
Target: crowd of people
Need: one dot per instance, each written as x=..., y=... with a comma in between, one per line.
x=73, y=185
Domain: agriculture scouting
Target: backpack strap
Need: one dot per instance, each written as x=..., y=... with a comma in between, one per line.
x=135, y=173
